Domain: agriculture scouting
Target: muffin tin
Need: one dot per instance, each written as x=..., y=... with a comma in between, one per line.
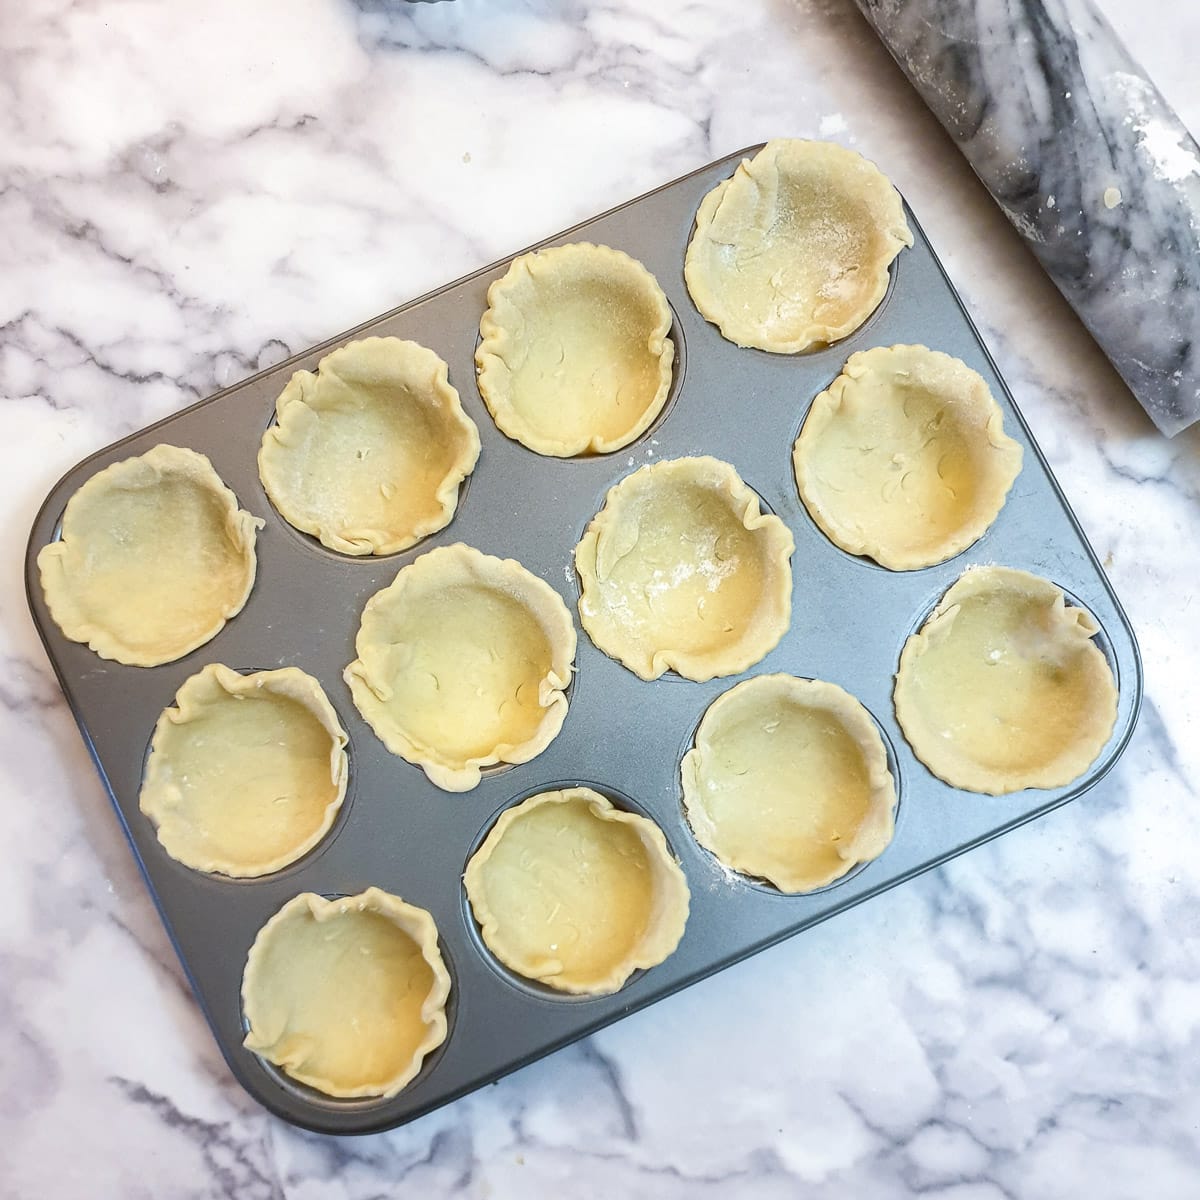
x=623, y=737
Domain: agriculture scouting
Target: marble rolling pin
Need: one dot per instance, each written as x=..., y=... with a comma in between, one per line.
x=1087, y=160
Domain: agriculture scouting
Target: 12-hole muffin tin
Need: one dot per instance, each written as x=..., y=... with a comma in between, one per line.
x=623, y=737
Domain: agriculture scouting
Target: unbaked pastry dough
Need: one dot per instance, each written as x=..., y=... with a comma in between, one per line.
x=681, y=570
x=347, y=996
x=789, y=781
x=575, y=893
x=155, y=556
x=367, y=454
x=246, y=772
x=905, y=459
x=462, y=663
x=1003, y=687
x=792, y=251
x=575, y=356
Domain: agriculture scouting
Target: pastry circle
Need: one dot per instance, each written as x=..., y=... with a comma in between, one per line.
x=788, y=781
x=904, y=458
x=462, y=663
x=367, y=455
x=792, y=251
x=246, y=772
x=1003, y=687
x=347, y=996
x=574, y=356
x=572, y=892
x=681, y=570
x=155, y=556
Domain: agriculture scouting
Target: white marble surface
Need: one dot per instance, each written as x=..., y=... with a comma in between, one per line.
x=190, y=192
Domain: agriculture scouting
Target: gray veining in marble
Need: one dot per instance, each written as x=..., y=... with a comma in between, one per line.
x=1088, y=162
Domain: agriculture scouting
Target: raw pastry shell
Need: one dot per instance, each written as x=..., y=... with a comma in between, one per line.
x=729, y=744
x=142, y=613
x=769, y=281
x=268, y=1019
x=911, y=488
x=614, y=533
x=168, y=794
x=328, y=467
x=1067, y=713
x=667, y=902
x=609, y=294
x=388, y=652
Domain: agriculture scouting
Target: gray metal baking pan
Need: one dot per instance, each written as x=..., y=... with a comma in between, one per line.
x=623, y=736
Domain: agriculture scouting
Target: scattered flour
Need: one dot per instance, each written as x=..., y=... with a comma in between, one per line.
x=832, y=125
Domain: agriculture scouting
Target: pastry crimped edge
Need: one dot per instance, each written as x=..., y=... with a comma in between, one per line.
x=292, y=684
x=824, y=409
x=241, y=528
x=1076, y=624
x=873, y=835
x=887, y=207
x=454, y=775
x=305, y=386
x=744, y=503
x=496, y=340
x=412, y=920
x=664, y=929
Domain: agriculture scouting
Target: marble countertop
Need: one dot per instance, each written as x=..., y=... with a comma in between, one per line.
x=190, y=194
